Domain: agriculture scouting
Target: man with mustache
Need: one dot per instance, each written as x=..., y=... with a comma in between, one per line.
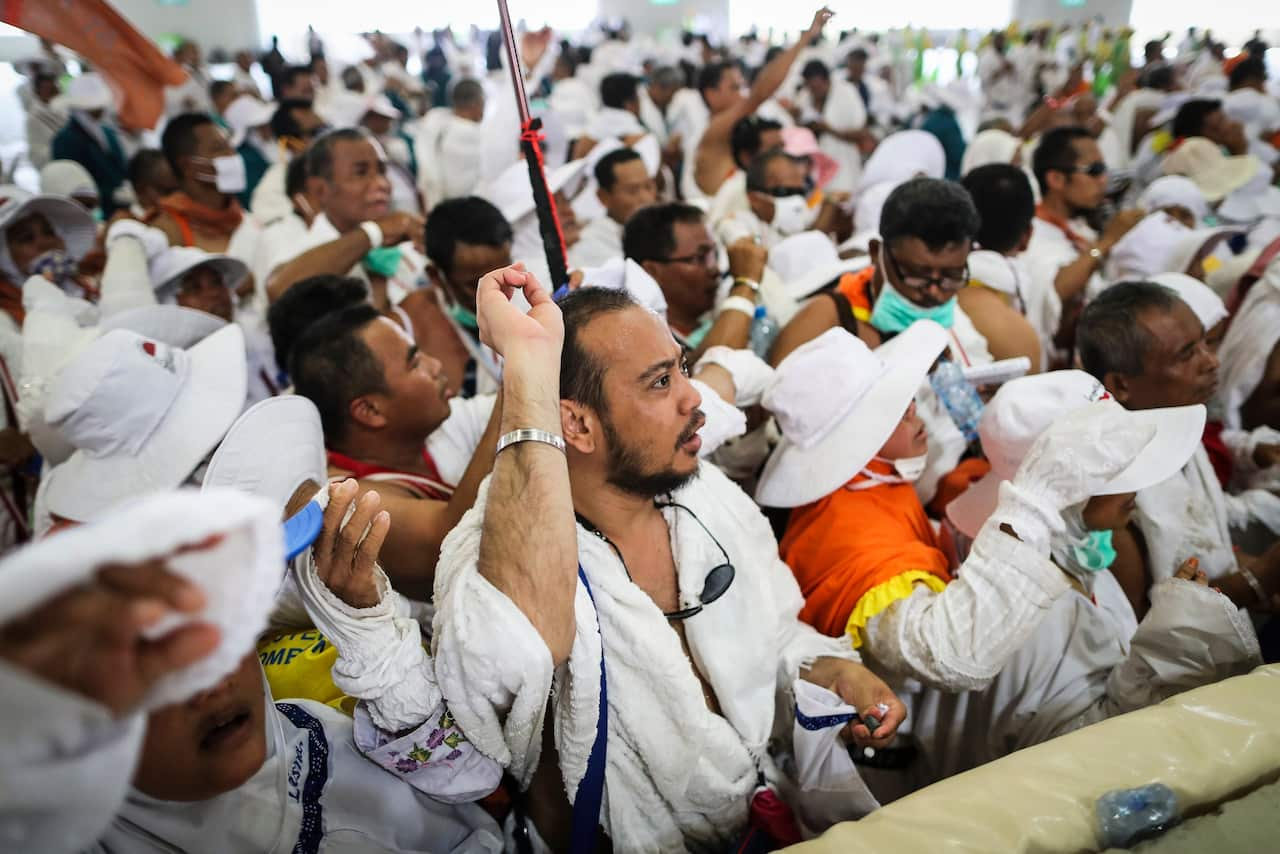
x=669, y=584
x=1148, y=348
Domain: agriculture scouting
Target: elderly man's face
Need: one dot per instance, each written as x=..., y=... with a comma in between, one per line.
x=1180, y=369
x=650, y=426
x=358, y=189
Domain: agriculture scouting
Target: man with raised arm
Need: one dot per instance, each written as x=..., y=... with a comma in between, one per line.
x=721, y=85
x=669, y=585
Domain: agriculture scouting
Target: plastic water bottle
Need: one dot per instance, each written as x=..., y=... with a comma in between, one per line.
x=1127, y=816
x=763, y=330
x=958, y=396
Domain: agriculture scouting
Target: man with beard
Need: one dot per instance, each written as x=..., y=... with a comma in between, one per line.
x=1065, y=255
x=666, y=599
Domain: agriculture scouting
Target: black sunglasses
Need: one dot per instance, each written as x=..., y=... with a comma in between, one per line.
x=1093, y=170
x=717, y=582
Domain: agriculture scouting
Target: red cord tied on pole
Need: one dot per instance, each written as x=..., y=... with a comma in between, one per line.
x=531, y=139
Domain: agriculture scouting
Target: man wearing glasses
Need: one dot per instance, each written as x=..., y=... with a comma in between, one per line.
x=674, y=245
x=604, y=567
x=1065, y=255
x=918, y=265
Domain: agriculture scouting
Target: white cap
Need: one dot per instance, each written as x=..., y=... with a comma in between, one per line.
x=88, y=92
x=837, y=402
x=1147, y=248
x=1213, y=172
x=1174, y=191
x=72, y=222
x=1199, y=297
x=68, y=179
x=142, y=415
x=1024, y=408
x=808, y=261
x=271, y=450
x=174, y=325
x=168, y=268
x=246, y=113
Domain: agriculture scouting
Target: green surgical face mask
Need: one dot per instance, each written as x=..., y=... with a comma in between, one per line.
x=383, y=261
x=1096, y=553
x=464, y=318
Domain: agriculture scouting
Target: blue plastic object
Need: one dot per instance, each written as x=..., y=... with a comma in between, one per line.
x=764, y=329
x=1128, y=816
x=958, y=396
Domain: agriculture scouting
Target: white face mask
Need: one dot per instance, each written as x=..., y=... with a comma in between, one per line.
x=908, y=470
x=228, y=173
x=792, y=215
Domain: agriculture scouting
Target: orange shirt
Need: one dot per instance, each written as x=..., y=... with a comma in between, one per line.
x=855, y=552
x=856, y=288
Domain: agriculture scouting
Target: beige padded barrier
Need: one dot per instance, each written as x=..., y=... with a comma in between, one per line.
x=1209, y=745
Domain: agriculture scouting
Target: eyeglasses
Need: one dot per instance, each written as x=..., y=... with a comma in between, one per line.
x=705, y=257
x=948, y=282
x=717, y=582
x=1093, y=170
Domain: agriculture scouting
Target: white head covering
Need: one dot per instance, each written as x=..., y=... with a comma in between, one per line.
x=1174, y=191
x=1201, y=299
x=67, y=178
x=88, y=92
x=1147, y=248
x=989, y=146
x=624, y=274
x=866, y=215
x=902, y=156
x=1024, y=408
x=142, y=415
x=807, y=261
x=1258, y=198
x=246, y=113
x=1213, y=172
x=72, y=222
x=168, y=268
x=837, y=403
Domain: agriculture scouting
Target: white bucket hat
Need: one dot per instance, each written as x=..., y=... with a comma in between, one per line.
x=271, y=450
x=1256, y=199
x=174, y=325
x=72, y=222
x=624, y=274
x=168, y=268
x=246, y=113
x=68, y=179
x=1199, y=297
x=1024, y=408
x=142, y=415
x=837, y=402
x=1147, y=248
x=512, y=193
x=1174, y=191
x=1213, y=172
x=807, y=261
x=88, y=92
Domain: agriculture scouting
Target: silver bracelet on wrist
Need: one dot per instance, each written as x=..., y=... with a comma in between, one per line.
x=1255, y=585
x=530, y=434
